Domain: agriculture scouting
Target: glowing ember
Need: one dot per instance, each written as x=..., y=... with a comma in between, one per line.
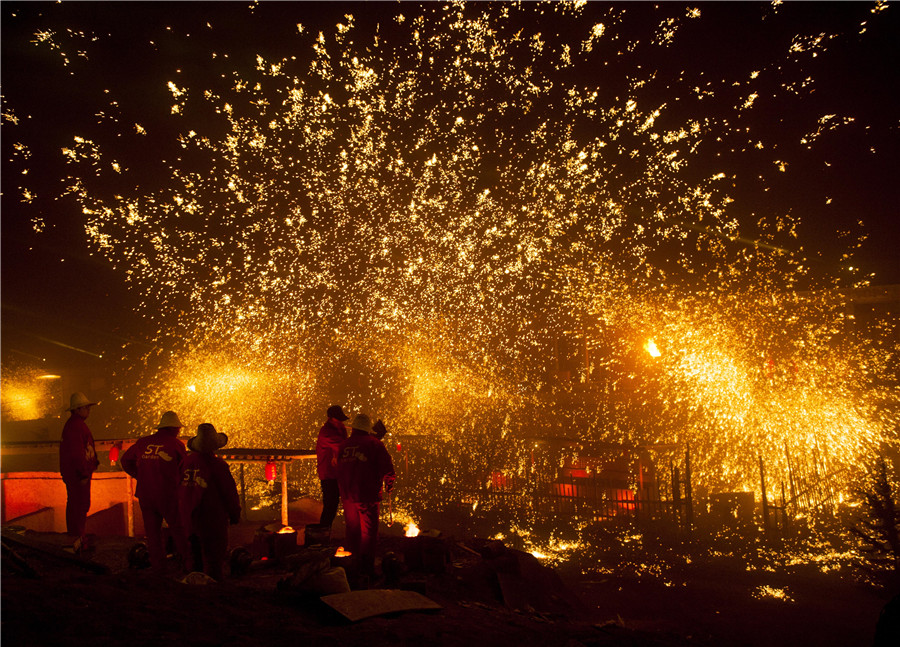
x=651, y=348
x=340, y=552
x=766, y=591
x=412, y=530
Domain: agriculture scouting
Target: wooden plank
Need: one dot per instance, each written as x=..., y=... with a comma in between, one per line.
x=358, y=605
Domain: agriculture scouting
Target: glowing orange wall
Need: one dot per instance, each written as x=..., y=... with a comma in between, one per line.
x=26, y=493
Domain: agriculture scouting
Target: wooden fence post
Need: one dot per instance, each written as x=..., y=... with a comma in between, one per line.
x=688, y=490
x=765, y=502
x=676, y=495
x=819, y=487
x=784, y=514
x=636, y=506
x=787, y=454
x=243, y=495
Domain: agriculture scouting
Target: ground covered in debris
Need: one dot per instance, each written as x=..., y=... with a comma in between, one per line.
x=488, y=594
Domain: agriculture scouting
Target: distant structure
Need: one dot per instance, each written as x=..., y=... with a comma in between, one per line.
x=871, y=304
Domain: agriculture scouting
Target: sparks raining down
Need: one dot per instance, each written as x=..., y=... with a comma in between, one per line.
x=429, y=206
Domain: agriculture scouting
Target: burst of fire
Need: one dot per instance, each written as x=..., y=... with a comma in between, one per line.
x=412, y=530
x=651, y=348
x=466, y=244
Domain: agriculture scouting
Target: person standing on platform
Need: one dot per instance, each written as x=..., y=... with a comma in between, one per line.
x=331, y=435
x=156, y=462
x=363, y=465
x=208, y=498
x=77, y=464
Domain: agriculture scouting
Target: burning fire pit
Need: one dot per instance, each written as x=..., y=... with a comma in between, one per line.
x=315, y=534
x=269, y=543
x=342, y=558
x=427, y=551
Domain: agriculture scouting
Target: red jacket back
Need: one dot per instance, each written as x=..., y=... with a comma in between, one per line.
x=208, y=494
x=363, y=464
x=331, y=435
x=156, y=461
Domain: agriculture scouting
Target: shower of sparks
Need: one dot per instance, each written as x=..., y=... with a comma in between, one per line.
x=408, y=220
x=28, y=394
x=743, y=374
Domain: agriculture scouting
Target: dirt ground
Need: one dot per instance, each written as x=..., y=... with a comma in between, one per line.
x=711, y=601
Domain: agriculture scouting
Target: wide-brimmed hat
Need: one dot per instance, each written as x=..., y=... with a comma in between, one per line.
x=362, y=422
x=169, y=419
x=335, y=411
x=207, y=439
x=78, y=400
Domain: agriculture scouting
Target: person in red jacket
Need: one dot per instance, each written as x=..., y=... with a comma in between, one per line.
x=77, y=463
x=208, y=498
x=156, y=461
x=363, y=465
x=331, y=435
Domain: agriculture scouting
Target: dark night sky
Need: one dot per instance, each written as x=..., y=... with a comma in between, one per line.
x=58, y=293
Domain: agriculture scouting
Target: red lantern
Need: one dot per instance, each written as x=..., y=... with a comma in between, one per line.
x=271, y=471
x=114, y=453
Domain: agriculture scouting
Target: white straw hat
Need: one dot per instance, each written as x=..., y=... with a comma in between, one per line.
x=362, y=422
x=78, y=400
x=169, y=419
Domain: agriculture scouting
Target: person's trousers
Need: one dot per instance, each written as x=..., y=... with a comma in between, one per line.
x=156, y=546
x=331, y=496
x=78, y=502
x=213, y=540
x=362, y=531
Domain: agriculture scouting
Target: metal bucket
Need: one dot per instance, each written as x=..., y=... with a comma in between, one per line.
x=315, y=534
